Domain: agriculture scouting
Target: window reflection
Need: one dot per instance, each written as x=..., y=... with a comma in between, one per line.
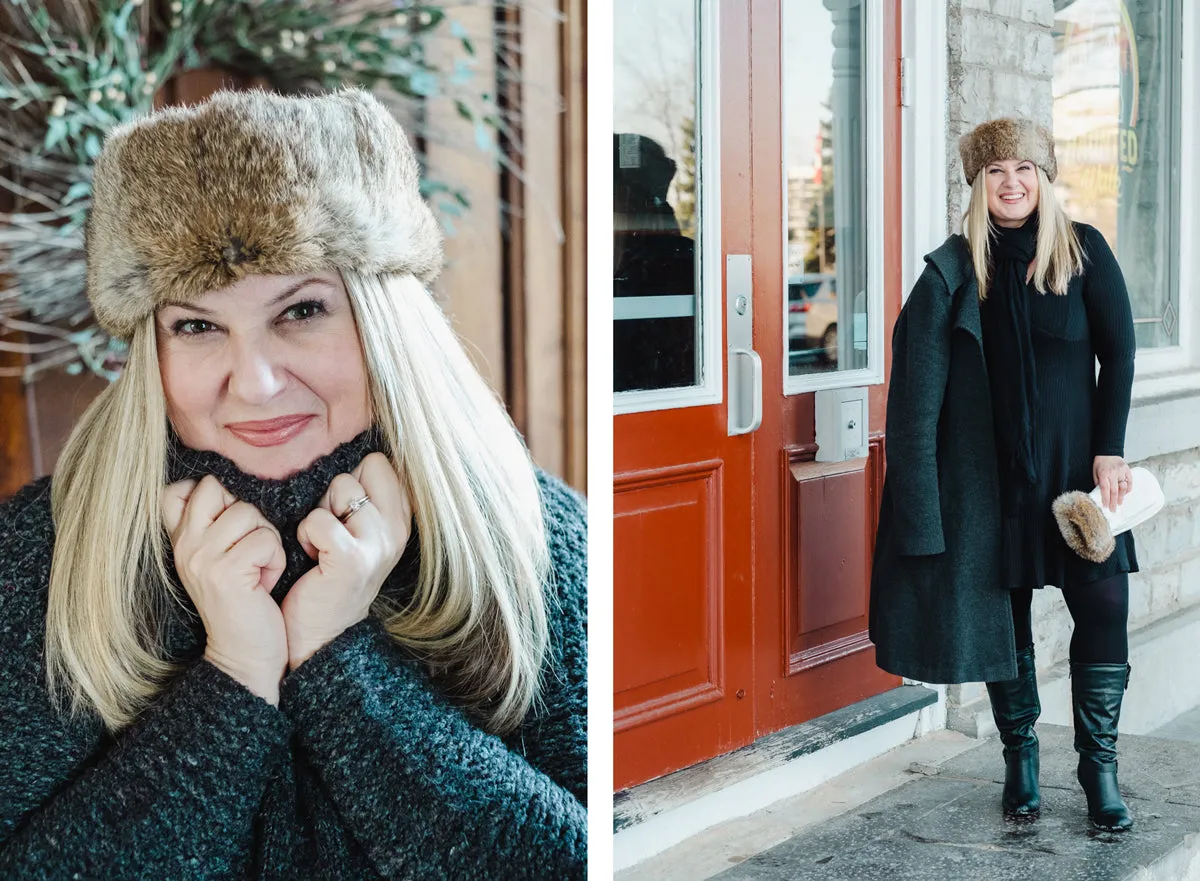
x=824, y=163
x=655, y=214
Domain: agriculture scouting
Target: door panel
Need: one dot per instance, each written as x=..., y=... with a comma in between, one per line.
x=814, y=521
x=682, y=527
x=668, y=526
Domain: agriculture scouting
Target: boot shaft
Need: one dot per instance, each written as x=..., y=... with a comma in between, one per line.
x=1097, y=691
x=1016, y=706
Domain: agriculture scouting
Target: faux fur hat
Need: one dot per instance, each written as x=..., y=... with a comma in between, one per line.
x=192, y=199
x=1013, y=137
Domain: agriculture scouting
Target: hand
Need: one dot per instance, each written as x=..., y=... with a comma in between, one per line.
x=354, y=556
x=229, y=557
x=1114, y=478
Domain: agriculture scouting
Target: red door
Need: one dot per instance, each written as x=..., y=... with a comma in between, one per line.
x=740, y=564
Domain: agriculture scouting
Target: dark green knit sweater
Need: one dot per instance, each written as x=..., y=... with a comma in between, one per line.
x=364, y=771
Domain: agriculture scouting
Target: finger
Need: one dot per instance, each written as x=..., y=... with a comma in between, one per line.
x=238, y=521
x=1113, y=490
x=208, y=502
x=387, y=491
x=325, y=533
x=174, y=501
x=263, y=550
x=306, y=542
x=343, y=491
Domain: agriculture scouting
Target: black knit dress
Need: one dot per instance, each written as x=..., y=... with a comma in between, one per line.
x=1077, y=415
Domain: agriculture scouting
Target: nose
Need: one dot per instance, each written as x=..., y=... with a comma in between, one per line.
x=256, y=375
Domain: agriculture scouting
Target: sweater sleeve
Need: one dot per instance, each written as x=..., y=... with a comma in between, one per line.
x=1110, y=324
x=172, y=796
x=917, y=386
x=425, y=791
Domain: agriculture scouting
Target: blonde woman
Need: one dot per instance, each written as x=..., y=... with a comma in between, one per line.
x=295, y=604
x=994, y=410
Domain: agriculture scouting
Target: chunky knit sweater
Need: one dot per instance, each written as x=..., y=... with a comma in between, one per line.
x=364, y=771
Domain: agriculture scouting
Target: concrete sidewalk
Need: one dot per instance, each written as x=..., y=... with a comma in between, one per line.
x=930, y=810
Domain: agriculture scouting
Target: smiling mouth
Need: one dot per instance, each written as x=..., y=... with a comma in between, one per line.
x=1012, y=197
x=270, y=432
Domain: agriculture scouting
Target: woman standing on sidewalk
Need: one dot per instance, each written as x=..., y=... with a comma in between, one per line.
x=994, y=410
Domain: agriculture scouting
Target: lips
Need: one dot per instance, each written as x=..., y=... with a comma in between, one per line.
x=270, y=432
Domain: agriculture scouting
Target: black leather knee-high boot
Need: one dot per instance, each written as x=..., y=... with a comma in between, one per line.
x=1015, y=707
x=1097, y=691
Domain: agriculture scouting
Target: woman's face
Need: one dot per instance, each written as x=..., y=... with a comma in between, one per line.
x=1012, y=191
x=268, y=372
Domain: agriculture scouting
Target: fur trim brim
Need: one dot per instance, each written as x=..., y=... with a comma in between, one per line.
x=192, y=199
x=1084, y=526
x=1008, y=138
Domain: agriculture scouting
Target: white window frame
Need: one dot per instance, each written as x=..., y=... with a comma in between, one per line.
x=1163, y=361
x=711, y=276
x=872, y=374
x=923, y=137
x=1165, y=417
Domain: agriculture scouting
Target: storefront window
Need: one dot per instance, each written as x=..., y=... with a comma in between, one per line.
x=656, y=242
x=825, y=187
x=1116, y=128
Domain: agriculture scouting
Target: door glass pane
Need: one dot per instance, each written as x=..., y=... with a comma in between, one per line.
x=1116, y=132
x=655, y=196
x=825, y=172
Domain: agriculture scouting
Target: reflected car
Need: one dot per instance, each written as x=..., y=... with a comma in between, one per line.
x=812, y=316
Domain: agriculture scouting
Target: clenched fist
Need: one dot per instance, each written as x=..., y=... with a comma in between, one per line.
x=229, y=557
x=355, y=553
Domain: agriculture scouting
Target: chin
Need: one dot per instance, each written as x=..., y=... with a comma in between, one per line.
x=279, y=462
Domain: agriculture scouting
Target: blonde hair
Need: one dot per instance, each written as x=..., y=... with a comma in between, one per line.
x=1058, y=255
x=478, y=614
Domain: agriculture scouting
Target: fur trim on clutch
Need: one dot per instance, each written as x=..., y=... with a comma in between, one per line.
x=1012, y=137
x=192, y=199
x=1084, y=526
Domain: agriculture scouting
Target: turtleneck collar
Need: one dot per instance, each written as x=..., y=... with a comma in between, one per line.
x=286, y=501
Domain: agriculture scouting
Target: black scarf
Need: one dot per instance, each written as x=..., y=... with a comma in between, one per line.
x=1008, y=347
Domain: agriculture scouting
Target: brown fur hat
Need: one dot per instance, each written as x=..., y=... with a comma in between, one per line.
x=1012, y=137
x=1083, y=526
x=192, y=199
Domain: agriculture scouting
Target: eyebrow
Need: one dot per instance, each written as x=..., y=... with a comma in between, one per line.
x=287, y=292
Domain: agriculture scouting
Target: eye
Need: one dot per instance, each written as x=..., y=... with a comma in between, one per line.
x=192, y=327
x=305, y=311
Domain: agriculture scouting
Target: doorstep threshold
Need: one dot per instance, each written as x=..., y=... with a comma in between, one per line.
x=638, y=804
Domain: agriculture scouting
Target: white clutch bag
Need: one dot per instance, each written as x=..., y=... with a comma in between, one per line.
x=1090, y=529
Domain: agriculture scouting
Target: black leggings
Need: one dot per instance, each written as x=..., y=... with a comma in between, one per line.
x=1100, y=611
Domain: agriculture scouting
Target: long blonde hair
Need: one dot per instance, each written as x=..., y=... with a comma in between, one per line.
x=1058, y=256
x=478, y=615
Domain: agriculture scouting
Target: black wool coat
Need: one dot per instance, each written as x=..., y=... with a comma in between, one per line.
x=938, y=610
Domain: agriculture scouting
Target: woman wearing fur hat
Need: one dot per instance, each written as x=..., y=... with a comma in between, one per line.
x=994, y=410
x=305, y=606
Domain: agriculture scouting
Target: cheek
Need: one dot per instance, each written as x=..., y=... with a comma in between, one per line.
x=341, y=378
x=189, y=398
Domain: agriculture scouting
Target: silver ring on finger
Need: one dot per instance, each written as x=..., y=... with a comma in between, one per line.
x=355, y=506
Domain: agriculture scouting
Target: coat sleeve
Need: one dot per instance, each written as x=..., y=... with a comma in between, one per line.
x=1110, y=324
x=173, y=796
x=426, y=792
x=920, y=368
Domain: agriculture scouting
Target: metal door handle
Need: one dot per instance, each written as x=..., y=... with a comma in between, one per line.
x=755, y=390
